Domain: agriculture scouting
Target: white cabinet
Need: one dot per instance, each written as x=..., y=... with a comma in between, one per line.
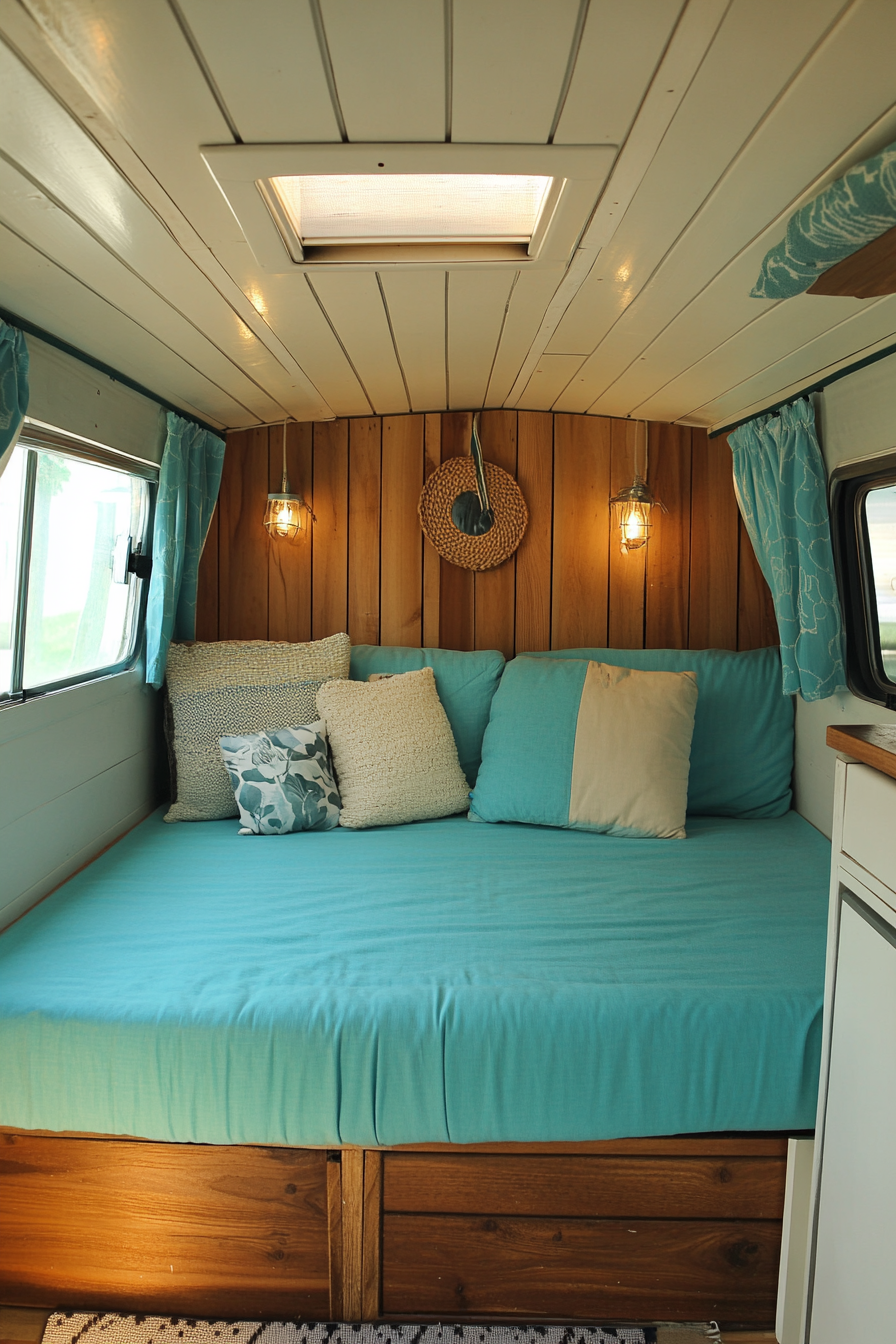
x=852, y=1274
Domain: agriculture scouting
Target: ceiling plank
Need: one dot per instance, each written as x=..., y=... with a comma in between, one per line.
x=417, y=310
x=477, y=301
x=354, y=305
x=266, y=62
x=550, y=377
x=389, y=67
x=620, y=48
x=34, y=287
x=509, y=59
x=529, y=299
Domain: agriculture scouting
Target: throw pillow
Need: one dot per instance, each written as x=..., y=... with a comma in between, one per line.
x=199, y=719
x=393, y=750
x=282, y=781
x=588, y=746
x=232, y=687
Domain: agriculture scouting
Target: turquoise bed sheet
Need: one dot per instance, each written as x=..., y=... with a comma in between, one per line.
x=436, y=982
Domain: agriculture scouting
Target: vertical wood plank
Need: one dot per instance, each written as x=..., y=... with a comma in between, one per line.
x=494, y=590
x=364, y=466
x=456, y=621
x=668, y=551
x=329, y=539
x=432, y=456
x=289, y=563
x=243, y=543
x=757, y=626
x=334, y=1233
x=352, y=1231
x=712, y=622
x=535, y=474
x=401, y=584
x=625, y=609
x=207, y=590
x=581, y=531
x=371, y=1263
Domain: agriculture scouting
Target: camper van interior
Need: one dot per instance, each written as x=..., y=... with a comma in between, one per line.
x=448, y=667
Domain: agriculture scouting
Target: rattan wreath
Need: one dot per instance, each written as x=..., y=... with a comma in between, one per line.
x=451, y=479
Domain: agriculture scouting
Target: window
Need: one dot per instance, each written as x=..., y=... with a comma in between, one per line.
x=864, y=535
x=73, y=522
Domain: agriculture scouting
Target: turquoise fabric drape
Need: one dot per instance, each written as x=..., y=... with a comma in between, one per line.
x=189, y=480
x=780, y=481
x=13, y=388
x=847, y=215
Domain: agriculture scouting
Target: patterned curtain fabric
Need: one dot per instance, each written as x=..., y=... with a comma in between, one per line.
x=851, y=212
x=13, y=388
x=189, y=480
x=780, y=481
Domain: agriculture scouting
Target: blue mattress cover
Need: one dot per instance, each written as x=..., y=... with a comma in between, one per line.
x=442, y=981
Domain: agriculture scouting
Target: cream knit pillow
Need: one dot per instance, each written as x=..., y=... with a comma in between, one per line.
x=393, y=750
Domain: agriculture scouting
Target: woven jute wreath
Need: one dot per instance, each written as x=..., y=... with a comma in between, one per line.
x=451, y=479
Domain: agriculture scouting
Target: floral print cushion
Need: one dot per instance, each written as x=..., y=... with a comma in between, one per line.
x=282, y=780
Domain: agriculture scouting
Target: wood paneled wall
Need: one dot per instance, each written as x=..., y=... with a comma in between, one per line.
x=364, y=566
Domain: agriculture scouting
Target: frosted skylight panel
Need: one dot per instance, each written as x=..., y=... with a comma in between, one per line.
x=413, y=208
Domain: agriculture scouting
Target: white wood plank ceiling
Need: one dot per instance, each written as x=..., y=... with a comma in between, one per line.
x=726, y=113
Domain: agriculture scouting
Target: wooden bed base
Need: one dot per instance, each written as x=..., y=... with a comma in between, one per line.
x=629, y=1230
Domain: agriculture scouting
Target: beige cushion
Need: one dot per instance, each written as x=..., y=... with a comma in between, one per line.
x=632, y=751
x=228, y=689
x=393, y=750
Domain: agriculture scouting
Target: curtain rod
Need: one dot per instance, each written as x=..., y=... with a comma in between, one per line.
x=818, y=386
x=14, y=320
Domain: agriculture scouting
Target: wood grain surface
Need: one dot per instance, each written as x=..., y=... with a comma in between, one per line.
x=364, y=565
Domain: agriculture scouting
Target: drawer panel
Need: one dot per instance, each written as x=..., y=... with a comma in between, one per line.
x=594, y=1269
x=577, y=1187
x=869, y=822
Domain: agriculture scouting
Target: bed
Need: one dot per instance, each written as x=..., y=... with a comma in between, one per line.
x=432, y=1070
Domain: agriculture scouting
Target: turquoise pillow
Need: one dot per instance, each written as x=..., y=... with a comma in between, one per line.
x=742, y=750
x=465, y=682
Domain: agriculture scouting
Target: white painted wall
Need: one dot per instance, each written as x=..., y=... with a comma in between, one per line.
x=856, y=419
x=77, y=767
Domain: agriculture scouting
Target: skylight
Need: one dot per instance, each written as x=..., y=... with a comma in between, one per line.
x=398, y=208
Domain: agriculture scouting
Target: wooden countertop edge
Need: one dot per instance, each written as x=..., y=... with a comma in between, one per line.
x=871, y=743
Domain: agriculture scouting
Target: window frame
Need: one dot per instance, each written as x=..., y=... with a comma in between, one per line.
x=36, y=437
x=850, y=485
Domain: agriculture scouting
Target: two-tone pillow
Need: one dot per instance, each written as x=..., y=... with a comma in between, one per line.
x=282, y=780
x=230, y=688
x=586, y=746
x=393, y=750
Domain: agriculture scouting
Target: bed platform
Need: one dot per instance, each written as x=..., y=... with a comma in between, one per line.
x=429, y=1071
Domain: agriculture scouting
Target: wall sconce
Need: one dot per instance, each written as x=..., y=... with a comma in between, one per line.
x=283, y=516
x=632, y=507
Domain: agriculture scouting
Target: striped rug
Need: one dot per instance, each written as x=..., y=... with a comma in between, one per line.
x=81, y=1327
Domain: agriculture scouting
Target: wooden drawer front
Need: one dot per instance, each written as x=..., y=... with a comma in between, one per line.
x=190, y=1229
x=869, y=822
x=589, y=1268
x=585, y=1187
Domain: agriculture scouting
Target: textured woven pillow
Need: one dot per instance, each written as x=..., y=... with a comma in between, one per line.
x=201, y=788
x=393, y=750
x=229, y=688
x=590, y=747
x=282, y=781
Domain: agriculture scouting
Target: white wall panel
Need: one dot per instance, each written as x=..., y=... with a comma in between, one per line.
x=266, y=62
x=510, y=61
x=354, y=305
x=103, y=780
x=477, y=301
x=389, y=66
x=856, y=416
x=417, y=310
x=621, y=45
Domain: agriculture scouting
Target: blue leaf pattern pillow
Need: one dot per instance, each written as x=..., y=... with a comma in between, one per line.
x=282, y=780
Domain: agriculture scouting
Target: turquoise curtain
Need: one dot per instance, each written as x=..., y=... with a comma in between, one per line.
x=13, y=388
x=189, y=480
x=780, y=480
